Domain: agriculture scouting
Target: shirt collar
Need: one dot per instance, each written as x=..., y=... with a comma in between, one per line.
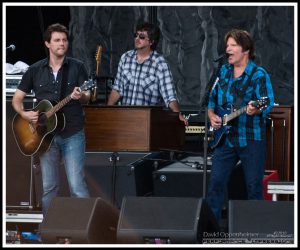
x=249, y=67
x=150, y=56
x=45, y=62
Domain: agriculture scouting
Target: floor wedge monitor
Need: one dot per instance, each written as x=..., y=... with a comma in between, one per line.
x=164, y=220
x=80, y=221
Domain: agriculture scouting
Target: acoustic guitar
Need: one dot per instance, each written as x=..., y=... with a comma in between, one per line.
x=37, y=137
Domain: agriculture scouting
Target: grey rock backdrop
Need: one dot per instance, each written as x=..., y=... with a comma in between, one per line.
x=191, y=38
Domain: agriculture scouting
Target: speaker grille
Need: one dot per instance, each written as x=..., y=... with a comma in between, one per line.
x=155, y=213
x=256, y=219
x=80, y=220
x=164, y=220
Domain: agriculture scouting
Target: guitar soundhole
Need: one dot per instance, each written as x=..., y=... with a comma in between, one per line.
x=42, y=124
x=42, y=120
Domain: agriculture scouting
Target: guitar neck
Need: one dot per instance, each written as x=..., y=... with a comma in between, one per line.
x=236, y=113
x=58, y=106
x=84, y=87
x=97, y=68
x=98, y=58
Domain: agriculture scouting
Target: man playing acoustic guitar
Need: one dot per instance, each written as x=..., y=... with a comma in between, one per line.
x=53, y=135
x=244, y=85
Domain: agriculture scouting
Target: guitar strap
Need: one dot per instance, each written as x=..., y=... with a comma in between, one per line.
x=241, y=93
x=64, y=82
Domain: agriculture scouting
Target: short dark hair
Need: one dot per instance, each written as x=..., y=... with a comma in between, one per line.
x=56, y=27
x=153, y=33
x=244, y=39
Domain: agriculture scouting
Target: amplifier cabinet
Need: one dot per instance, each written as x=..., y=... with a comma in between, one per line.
x=185, y=179
x=280, y=142
x=19, y=173
x=181, y=179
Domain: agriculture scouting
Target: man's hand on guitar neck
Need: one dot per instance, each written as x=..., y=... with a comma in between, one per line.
x=76, y=94
x=251, y=109
x=82, y=96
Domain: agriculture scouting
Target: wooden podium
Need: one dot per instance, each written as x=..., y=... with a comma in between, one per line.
x=132, y=128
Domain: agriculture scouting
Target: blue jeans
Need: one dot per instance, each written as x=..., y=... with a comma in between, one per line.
x=224, y=161
x=72, y=152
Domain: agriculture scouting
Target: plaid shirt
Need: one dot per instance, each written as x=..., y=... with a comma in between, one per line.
x=146, y=83
x=244, y=127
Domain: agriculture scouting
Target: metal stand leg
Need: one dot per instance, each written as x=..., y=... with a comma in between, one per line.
x=33, y=199
x=283, y=164
x=32, y=183
x=272, y=144
x=114, y=158
x=205, y=146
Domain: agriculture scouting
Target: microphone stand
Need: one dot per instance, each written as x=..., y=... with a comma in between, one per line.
x=114, y=158
x=210, y=86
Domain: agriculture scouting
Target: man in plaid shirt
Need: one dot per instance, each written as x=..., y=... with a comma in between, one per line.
x=144, y=77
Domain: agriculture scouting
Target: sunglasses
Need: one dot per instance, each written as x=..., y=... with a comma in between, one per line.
x=141, y=36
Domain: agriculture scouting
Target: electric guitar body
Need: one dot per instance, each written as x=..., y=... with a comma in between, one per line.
x=227, y=113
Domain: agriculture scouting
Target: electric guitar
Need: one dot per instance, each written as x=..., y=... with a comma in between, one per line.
x=227, y=115
x=98, y=59
x=37, y=137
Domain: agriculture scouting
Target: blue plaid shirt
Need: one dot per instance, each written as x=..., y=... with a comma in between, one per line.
x=244, y=127
x=148, y=83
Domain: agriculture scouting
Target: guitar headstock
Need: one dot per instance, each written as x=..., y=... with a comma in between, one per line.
x=262, y=103
x=87, y=85
x=98, y=53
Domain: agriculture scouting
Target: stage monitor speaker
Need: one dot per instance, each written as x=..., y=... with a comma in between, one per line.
x=257, y=221
x=80, y=220
x=19, y=189
x=164, y=220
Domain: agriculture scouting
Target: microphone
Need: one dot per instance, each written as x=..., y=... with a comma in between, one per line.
x=11, y=47
x=215, y=83
x=220, y=57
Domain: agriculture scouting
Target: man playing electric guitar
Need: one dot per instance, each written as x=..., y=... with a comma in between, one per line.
x=241, y=83
x=55, y=78
x=226, y=114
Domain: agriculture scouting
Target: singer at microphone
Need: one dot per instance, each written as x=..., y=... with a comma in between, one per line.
x=11, y=47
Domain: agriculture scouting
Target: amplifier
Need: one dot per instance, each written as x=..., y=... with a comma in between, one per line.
x=24, y=216
x=12, y=83
x=185, y=179
x=181, y=179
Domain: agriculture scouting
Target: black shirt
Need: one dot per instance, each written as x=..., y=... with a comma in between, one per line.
x=40, y=78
